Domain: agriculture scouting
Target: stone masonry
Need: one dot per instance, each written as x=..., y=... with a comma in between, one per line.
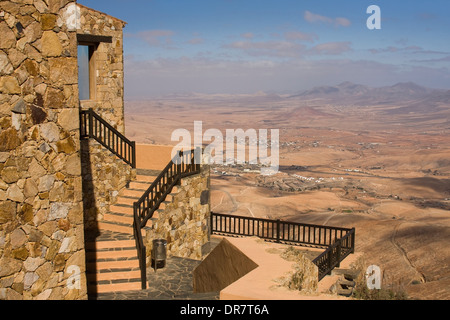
x=109, y=65
x=184, y=223
x=103, y=174
x=54, y=187
x=42, y=252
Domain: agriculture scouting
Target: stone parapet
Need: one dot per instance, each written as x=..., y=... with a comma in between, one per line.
x=184, y=222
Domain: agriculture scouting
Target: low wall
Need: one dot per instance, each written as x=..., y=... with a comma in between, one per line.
x=223, y=266
x=184, y=222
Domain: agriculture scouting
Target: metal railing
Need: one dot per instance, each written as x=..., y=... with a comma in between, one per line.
x=144, y=208
x=335, y=253
x=339, y=242
x=95, y=127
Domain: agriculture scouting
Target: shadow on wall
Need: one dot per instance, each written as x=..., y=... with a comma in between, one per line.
x=91, y=228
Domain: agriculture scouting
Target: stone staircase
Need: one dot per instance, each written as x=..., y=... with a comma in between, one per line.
x=112, y=262
x=346, y=283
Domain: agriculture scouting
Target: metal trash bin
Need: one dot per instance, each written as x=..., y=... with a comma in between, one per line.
x=159, y=254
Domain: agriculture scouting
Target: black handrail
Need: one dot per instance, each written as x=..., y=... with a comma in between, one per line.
x=95, y=127
x=144, y=208
x=339, y=242
x=335, y=253
x=276, y=230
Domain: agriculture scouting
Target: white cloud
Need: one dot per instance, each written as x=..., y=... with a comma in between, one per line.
x=298, y=35
x=155, y=38
x=316, y=18
x=331, y=48
x=268, y=48
x=343, y=22
x=196, y=41
x=248, y=35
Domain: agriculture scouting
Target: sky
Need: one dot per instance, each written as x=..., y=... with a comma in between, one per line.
x=278, y=46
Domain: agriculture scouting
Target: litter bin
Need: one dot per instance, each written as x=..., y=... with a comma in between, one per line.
x=159, y=254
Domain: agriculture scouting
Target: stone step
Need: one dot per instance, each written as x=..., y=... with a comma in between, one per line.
x=343, y=286
x=142, y=185
x=139, y=185
x=112, y=254
x=130, y=201
x=344, y=292
x=117, y=275
x=347, y=273
x=127, y=200
x=122, y=218
x=112, y=244
x=113, y=264
x=126, y=213
x=132, y=196
x=145, y=178
x=132, y=193
x=346, y=283
x=123, y=228
x=124, y=209
x=121, y=286
x=115, y=227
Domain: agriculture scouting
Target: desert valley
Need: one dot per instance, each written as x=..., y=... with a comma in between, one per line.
x=377, y=159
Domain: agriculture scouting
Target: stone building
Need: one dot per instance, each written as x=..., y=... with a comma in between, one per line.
x=56, y=186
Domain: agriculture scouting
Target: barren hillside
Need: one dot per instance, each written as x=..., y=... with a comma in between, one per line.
x=381, y=168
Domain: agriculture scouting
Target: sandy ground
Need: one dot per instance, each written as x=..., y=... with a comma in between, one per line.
x=389, y=177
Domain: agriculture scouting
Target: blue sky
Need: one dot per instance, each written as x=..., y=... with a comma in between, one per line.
x=246, y=46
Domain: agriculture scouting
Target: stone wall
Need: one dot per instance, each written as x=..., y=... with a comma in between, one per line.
x=41, y=212
x=104, y=175
x=184, y=223
x=109, y=96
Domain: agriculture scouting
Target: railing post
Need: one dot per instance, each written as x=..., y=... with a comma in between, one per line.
x=210, y=222
x=91, y=123
x=81, y=124
x=179, y=164
x=329, y=261
x=353, y=240
x=278, y=230
x=133, y=154
x=338, y=253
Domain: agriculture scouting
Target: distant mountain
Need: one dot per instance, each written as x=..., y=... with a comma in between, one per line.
x=407, y=87
x=402, y=91
x=343, y=89
x=435, y=102
x=348, y=92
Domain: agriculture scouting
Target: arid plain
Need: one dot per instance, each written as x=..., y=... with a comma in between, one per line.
x=378, y=161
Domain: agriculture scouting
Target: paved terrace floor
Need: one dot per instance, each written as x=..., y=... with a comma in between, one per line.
x=173, y=282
